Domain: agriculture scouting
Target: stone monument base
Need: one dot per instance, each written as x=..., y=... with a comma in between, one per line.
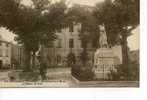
x=104, y=63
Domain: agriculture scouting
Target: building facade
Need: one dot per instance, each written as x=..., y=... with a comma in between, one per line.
x=68, y=41
x=5, y=54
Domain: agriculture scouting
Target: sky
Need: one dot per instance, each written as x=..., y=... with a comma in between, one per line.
x=84, y=2
x=133, y=40
x=7, y=35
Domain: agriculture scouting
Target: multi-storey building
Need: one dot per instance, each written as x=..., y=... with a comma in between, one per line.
x=68, y=40
x=5, y=54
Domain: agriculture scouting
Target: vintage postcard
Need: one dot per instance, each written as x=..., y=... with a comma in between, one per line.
x=69, y=43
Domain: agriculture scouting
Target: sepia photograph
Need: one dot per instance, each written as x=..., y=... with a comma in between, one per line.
x=69, y=43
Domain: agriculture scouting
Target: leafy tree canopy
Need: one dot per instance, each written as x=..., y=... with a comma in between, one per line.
x=32, y=25
x=89, y=27
x=119, y=17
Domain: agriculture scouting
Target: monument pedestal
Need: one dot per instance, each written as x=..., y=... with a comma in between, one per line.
x=104, y=62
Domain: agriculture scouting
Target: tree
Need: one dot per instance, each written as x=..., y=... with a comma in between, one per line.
x=120, y=18
x=32, y=31
x=71, y=59
x=89, y=32
x=33, y=26
x=8, y=12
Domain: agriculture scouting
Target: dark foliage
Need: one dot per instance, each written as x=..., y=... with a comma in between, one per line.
x=71, y=59
x=83, y=73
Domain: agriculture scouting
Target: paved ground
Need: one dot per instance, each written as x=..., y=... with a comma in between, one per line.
x=63, y=75
x=108, y=84
x=4, y=76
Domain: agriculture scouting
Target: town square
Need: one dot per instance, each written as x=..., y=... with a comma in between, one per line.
x=64, y=43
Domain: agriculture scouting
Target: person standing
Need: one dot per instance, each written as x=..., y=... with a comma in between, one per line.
x=42, y=68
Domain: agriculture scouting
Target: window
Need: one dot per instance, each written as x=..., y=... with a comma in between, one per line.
x=7, y=53
x=59, y=45
x=71, y=28
x=59, y=59
x=1, y=53
x=71, y=43
x=59, y=30
x=0, y=43
x=7, y=44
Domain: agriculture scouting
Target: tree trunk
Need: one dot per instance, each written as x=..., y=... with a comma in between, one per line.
x=84, y=53
x=33, y=60
x=42, y=52
x=125, y=59
x=27, y=66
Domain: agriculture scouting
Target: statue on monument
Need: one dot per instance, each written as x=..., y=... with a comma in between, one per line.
x=103, y=37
